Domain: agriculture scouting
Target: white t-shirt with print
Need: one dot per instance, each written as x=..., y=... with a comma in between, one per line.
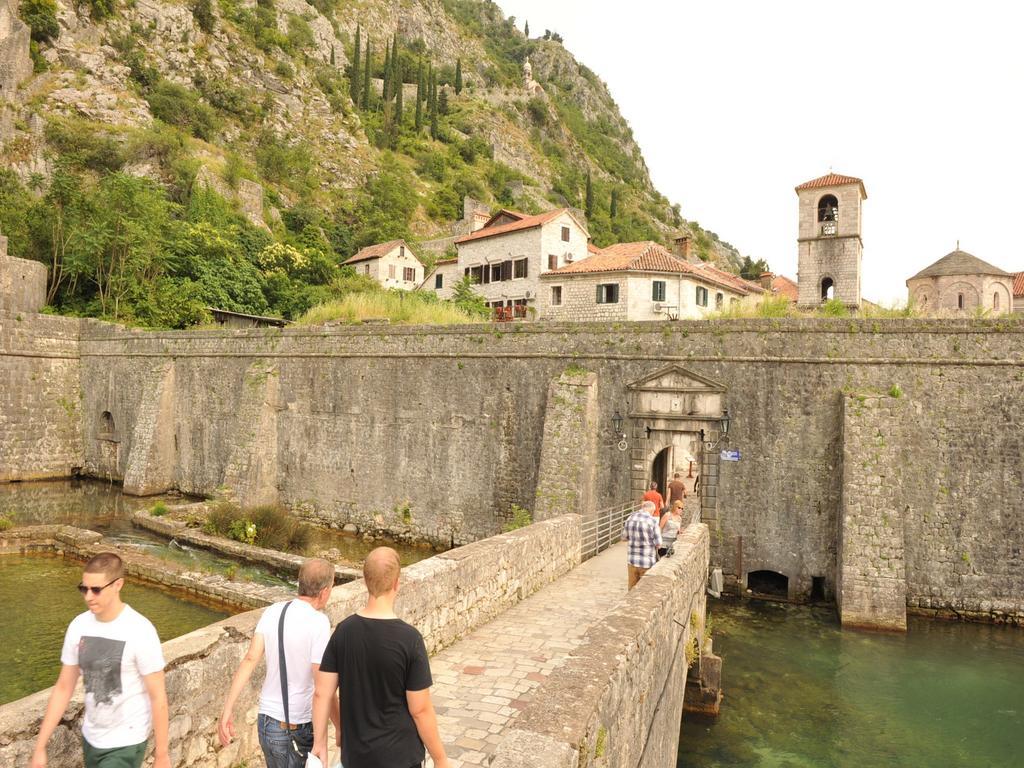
x=114, y=656
x=306, y=632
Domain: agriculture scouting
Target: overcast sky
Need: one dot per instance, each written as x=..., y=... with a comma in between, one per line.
x=735, y=102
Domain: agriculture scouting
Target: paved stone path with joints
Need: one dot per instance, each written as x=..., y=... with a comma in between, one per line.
x=484, y=680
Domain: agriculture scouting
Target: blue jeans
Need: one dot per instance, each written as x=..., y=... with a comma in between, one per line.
x=276, y=742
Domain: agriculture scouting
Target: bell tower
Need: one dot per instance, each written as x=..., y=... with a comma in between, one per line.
x=829, y=241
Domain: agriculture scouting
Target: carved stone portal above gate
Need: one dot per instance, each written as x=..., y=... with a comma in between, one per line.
x=674, y=393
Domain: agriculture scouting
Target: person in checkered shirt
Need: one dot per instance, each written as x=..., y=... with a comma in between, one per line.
x=644, y=537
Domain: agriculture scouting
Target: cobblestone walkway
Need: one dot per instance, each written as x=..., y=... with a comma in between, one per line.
x=482, y=682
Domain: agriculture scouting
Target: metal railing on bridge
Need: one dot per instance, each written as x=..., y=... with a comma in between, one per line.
x=603, y=528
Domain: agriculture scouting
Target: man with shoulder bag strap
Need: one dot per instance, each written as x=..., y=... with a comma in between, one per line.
x=291, y=636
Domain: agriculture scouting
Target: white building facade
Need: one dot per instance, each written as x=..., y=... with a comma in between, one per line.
x=639, y=281
x=392, y=264
x=507, y=257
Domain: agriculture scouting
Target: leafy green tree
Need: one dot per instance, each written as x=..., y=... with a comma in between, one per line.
x=202, y=12
x=458, y=76
x=468, y=300
x=123, y=242
x=752, y=270
x=41, y=16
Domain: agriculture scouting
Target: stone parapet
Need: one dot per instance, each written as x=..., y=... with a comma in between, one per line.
x=618, y=701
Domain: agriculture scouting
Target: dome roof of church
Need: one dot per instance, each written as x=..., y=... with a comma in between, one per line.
x=960, y=263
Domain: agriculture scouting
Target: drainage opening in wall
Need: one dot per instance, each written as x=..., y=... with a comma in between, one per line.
x=817, y=589
x=768, y=583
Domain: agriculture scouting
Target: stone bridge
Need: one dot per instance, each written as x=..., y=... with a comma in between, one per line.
x=539, y=658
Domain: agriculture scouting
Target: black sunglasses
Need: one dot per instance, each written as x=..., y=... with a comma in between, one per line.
x=95, y=590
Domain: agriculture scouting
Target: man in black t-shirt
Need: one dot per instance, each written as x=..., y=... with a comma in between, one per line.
x=380, y=664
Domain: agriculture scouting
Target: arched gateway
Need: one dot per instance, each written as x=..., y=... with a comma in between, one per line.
x=676, y=416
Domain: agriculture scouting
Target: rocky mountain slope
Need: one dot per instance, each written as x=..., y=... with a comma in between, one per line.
x=264, y=103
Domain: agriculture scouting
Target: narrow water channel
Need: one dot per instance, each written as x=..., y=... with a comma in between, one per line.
x=40, y=599
x=800, y=693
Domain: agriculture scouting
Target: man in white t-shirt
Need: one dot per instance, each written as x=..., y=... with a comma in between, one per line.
x=287, y=740
x=117, y=651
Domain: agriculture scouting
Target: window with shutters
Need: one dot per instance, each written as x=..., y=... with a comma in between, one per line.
x=565, y=234
x=520, y=268
x=438, y=281
x=556, y=295
x=409, y=274
x=702, y=296
x=608, y=293
x=391, y=271
x=658, y=290
x=506, y=270
x=552, y=261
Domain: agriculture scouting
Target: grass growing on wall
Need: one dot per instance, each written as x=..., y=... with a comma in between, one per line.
x=394, y=307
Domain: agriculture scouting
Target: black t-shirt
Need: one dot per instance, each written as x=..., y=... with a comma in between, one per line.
x=377, y=661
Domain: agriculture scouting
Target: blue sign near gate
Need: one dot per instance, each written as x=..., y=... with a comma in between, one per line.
x=731, y=454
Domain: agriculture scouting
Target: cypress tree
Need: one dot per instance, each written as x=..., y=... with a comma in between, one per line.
x=387, y=73
x=419, y=98
x=433, y=106
x=526, y=28
x=458, y=76
x=442, y=101
x=427, y=81
x=366, y=77
x=396, y=68
x=399, y=98
x=614, y=211
x=356, y=80
x=590, y=196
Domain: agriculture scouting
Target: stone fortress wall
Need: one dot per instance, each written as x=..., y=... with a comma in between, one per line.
x=15, y=62
x=434, y=433
x=40, y=389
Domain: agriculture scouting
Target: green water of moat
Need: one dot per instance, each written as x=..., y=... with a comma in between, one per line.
x=40, y=599
x=801, y=693
x=101, y=506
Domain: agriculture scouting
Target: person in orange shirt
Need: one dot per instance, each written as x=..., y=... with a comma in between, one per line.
x=655, y=498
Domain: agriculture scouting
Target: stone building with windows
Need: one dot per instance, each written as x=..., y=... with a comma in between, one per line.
x=961, y=283
x=392, y=264
x=506, y=257
x=829, y=240
x=1018, y=291
x=639, y=281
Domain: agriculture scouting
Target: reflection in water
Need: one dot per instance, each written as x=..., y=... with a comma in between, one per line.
x=39, y=597
x=800, y=693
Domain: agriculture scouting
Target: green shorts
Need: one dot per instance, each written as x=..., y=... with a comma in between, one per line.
x=118, y=757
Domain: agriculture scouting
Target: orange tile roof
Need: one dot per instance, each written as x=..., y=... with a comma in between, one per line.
x=527, y=222
x=833, y=180
x=592, y=249
x=1018, y=284
x=783, y=286
x=377, y=250
x=648, y=256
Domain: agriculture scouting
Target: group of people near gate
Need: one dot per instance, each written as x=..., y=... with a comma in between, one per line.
x=651, y=530
x=370, y=677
